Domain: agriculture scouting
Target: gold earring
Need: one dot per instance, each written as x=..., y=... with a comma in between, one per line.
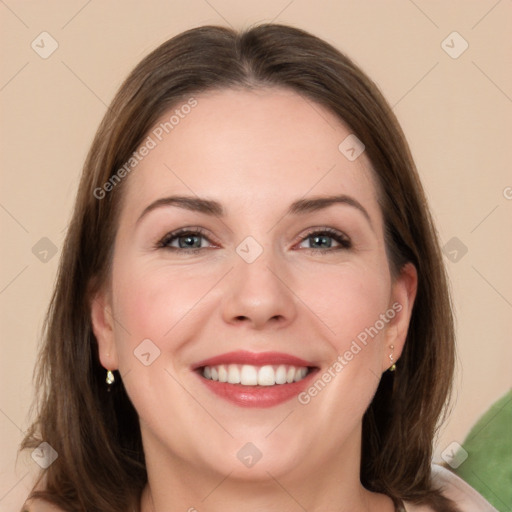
x=392, y=368
x=110, y=378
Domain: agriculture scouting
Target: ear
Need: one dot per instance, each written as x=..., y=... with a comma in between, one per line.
x=103, y=327
x=403, y=294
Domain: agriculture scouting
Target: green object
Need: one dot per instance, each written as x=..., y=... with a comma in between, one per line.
x=488, y=468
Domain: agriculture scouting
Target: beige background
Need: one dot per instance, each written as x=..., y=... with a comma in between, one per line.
x=456, y=114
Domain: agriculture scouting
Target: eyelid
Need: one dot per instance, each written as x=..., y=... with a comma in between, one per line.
x=195, y=230
x=340, y=237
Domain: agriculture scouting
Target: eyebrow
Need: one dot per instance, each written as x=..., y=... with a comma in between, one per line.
x=214, y=208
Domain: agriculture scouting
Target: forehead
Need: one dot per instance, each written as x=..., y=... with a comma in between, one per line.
x=243, y=147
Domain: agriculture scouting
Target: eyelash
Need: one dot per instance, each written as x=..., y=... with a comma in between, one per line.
x=343, y=241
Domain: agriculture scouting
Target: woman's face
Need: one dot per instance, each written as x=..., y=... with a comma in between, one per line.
x=250, y=247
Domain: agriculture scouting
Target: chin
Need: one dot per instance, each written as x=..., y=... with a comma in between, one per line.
x=259, y=459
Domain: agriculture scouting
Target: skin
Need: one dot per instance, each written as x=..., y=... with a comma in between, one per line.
x=255, y=152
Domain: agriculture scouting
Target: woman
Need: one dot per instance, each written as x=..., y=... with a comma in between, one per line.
x=251, y=308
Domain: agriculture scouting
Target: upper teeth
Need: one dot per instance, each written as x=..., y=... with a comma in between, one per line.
x=249, y=375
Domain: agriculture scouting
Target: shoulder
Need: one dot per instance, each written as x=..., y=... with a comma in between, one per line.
x=40, y=506
x=37, y=504
x=453, y=487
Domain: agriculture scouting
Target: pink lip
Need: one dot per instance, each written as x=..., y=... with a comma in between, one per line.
x=254, y=358
x=255, y=396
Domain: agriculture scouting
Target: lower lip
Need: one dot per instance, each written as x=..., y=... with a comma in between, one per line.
x=257, y=396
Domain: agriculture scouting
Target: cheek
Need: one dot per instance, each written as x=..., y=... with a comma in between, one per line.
x=354, y=303
x=159, y=303
x=349, y=301
x=155, y=302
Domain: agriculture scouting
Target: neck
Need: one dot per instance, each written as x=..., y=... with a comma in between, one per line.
x=332, y=485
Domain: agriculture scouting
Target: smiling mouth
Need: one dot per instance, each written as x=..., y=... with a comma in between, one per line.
x=251, y=375
x=255, y=379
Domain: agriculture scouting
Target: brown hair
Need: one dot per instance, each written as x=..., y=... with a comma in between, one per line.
x=96, y=433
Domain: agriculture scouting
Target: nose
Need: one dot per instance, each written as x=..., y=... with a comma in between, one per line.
x=259, y=295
